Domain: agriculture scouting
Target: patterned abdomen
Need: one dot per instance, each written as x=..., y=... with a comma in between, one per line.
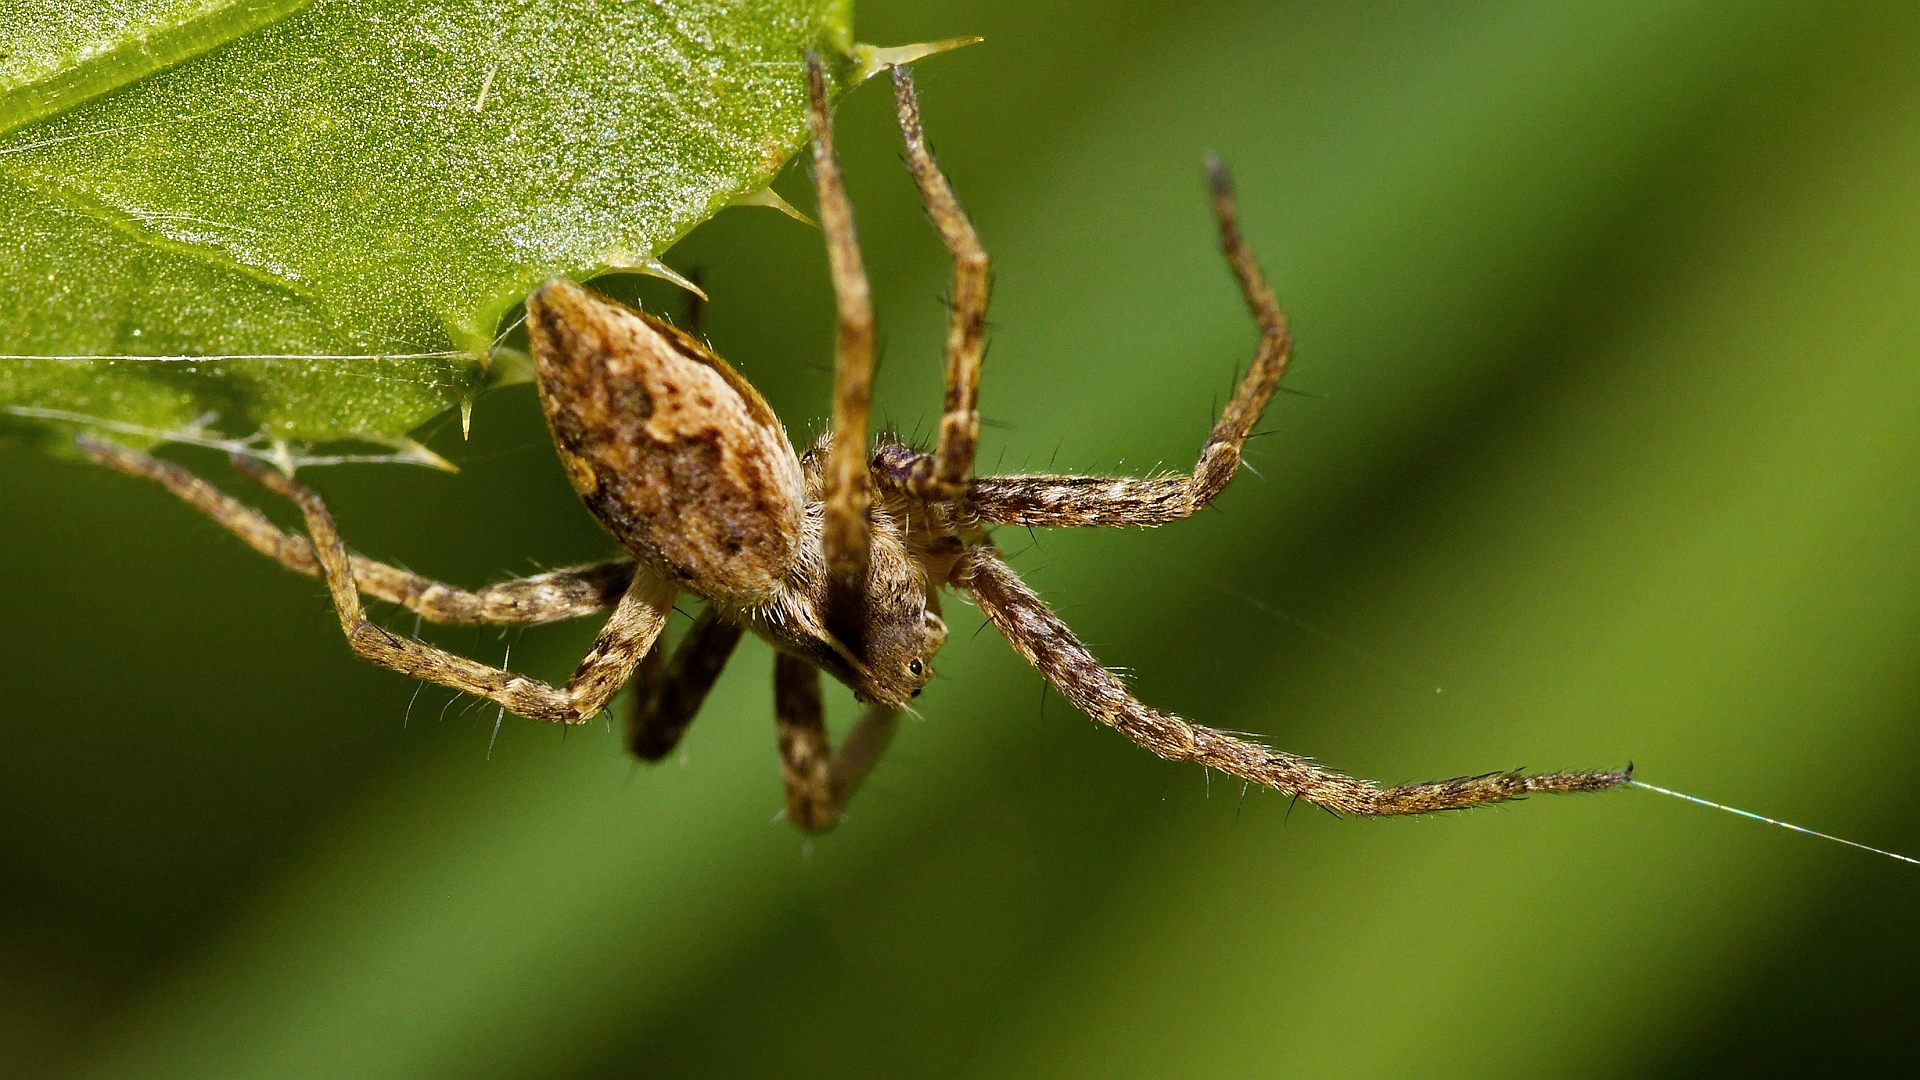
x=673, y=452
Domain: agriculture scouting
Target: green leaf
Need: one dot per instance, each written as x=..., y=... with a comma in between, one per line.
x=58, y=54
x=348, y=200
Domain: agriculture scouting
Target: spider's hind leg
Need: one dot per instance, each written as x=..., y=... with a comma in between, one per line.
x=636, y=623
x=819, y=781
x=529, y=601
x=668, y=693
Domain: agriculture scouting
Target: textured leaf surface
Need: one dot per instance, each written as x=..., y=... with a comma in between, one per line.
x=362, y=178
x=57, y=52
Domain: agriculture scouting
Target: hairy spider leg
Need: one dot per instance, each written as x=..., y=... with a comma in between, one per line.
x=1037, y=633
x=668, y=693
x=944, y=475
x=528, y=601
x=631, y=631
x=819, y=781
x=1147, y=501
x=846, y=539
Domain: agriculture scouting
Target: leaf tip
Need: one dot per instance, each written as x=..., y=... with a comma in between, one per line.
x=409, y=452
x=771, y=199
x=653, y=267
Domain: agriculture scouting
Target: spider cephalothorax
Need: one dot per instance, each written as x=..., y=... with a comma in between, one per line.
x=837, y=557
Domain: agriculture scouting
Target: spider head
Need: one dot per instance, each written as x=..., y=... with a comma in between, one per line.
x=900, y=628
x=885, y=651
x=903, y=627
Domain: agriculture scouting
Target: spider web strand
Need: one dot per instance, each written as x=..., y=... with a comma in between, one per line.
x=1775, y=821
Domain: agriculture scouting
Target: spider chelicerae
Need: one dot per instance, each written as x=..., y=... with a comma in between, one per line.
x=837, y=557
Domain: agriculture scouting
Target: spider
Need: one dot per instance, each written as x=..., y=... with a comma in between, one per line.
x=836, y=557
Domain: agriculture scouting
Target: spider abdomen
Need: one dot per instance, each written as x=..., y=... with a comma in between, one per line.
x=675, y=454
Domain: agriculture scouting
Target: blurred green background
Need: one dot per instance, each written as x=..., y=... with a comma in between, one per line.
x=1604, y=448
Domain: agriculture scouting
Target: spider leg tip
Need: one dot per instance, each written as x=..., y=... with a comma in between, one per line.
x=1217, y=175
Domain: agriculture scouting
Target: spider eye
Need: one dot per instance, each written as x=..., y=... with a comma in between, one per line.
x=916, y=667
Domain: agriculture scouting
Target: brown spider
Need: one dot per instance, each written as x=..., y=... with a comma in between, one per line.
x=837, y=557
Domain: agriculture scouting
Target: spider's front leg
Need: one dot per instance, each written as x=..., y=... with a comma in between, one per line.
x=636, y=623
x=944, y=475
x=1120, y=500
x=847, y=537
x=1038, y=634
x=819, y=782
